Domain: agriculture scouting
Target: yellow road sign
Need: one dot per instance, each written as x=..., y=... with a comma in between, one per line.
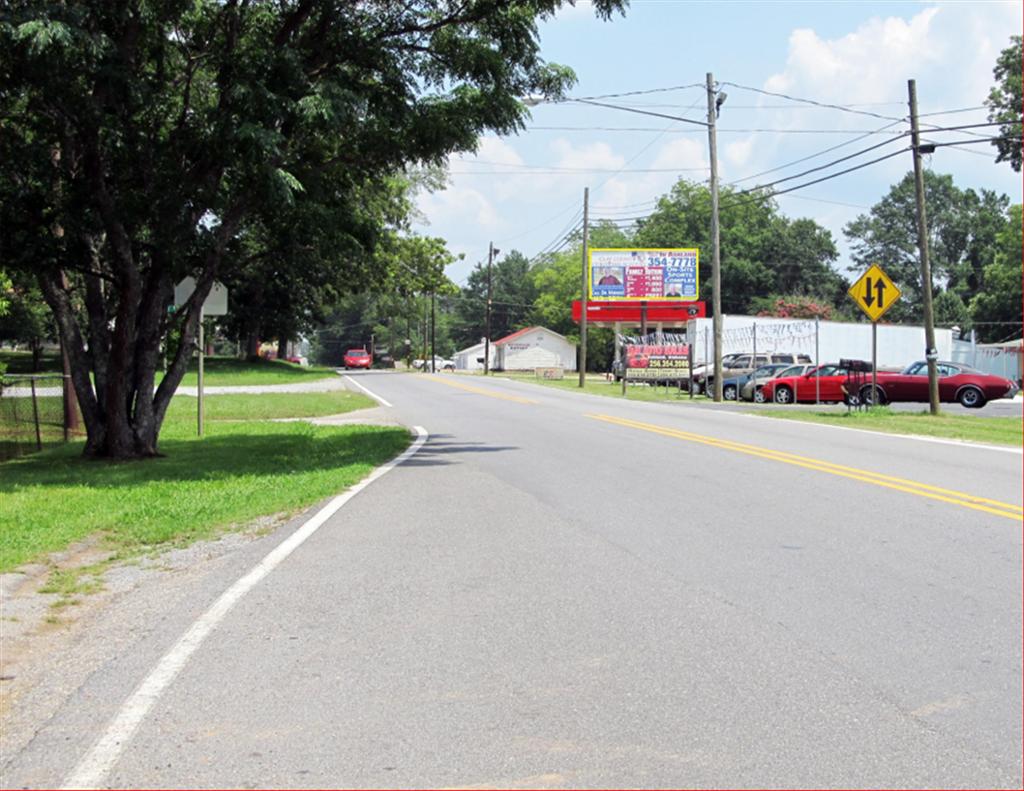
x=874, y=292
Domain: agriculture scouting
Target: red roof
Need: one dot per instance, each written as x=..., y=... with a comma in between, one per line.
x=516, y=334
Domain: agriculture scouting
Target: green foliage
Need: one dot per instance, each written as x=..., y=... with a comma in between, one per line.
x=1005, y=103
x=996, y=311
x=796, y=306
x=26, y=320
x=962, y=229
x=253, y=143
x=512, y=295
x=762, y=252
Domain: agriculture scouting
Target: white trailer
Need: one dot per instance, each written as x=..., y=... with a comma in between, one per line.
x=824, y=341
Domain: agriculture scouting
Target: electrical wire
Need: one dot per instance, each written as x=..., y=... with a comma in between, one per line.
x=813, y=156
x=774, y=193
x=840, y=107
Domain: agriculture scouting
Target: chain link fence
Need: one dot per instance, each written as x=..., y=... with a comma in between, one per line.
x=33, y=414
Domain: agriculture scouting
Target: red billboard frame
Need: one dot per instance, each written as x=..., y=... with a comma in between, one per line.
x=658, y=311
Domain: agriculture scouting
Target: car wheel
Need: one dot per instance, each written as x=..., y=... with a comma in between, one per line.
x=867, y=398
x=784, y=395
x=852, y=399
x=971, y=397
x=759, y=395
x=729, y=392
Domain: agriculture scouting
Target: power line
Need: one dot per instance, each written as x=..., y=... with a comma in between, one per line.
x=813, y=156
x=821, y=167
x=638, y=93
x=831, y=176
x=757, y=130
x=840, y=107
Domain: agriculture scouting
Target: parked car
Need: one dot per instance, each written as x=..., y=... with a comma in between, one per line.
x=823, y=382
x=732, y=386
x=741, y=365
x=957, y=383
x=748, y=391
x=356, y=358
x=440, y=364
x=700, y=370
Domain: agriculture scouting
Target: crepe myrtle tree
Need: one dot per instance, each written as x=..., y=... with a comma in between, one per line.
x=141, y=139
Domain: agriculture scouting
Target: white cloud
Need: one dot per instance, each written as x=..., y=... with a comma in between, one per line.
x=593, y=155
x=864, y=65
x=460, y=205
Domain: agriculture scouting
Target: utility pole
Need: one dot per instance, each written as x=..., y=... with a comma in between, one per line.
x=433, y=328
x=716, y=261
x=491, y=252
x=586, y=289
x=931, y=353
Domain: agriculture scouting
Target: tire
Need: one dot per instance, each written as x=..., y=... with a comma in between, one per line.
x=852, y=399
x=729, y=392
x=759, y=396
x=784, y=395
x=971, y=397
x=865, y=396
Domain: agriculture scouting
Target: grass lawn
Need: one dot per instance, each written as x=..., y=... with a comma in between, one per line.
x=993, y=430
x=21, y=362
x=228, y=371
x=241, y=469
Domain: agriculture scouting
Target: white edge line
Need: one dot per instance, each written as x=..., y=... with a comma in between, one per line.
x=960, y=443
x=374, y=396
x=92, y=770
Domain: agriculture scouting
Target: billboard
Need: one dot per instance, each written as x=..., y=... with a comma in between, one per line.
x=643, y=274
x=655, y=358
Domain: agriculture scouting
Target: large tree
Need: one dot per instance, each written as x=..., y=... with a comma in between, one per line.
x=996, y=311
x=1005, y=104
x=512, y=294
x=140, y=140
x=962, y=229
x=763, y=253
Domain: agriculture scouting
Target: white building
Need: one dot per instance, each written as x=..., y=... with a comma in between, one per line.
x=533, y=347
x=824, y=341
x=472, y=358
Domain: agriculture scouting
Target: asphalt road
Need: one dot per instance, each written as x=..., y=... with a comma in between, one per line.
x=561, y=590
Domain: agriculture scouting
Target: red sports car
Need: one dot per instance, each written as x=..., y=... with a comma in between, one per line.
x=957, y=382
x=824, y=383
x=357, y=358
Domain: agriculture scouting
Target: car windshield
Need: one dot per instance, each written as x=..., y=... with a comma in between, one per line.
x=793, y=370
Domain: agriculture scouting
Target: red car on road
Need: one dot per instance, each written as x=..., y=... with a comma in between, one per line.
x=824, y=383
x=357, y=358
x=957, y=382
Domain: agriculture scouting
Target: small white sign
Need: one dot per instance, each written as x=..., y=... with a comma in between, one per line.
x=216, y=301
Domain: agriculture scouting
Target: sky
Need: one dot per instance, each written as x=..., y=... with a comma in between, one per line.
x=525, y=192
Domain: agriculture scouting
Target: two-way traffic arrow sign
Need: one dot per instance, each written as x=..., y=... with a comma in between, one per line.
x=874, y=292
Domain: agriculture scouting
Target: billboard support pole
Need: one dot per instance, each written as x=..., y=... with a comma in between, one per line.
x=586, y=287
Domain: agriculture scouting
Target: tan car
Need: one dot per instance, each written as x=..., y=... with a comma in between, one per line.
x=741, y=365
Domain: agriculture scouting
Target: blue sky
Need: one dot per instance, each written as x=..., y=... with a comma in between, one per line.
x=524, y=192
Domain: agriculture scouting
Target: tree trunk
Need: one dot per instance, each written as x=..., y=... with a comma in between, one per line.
x=282, y=348
x=252, y=346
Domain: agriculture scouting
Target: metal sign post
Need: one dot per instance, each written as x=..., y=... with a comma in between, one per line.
x=216, y=304
x=874, y=294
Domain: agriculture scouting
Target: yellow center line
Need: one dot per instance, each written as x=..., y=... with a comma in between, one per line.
x=997, y=507
x=482, y=391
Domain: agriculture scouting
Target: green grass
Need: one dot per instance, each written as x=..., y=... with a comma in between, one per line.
x=993, y=430
x=240, y=470
x=21, y=362
x=263, y=406
x=228, y=371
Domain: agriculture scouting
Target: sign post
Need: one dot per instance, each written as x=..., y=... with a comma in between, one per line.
x=216, y=304
x=874, y=294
